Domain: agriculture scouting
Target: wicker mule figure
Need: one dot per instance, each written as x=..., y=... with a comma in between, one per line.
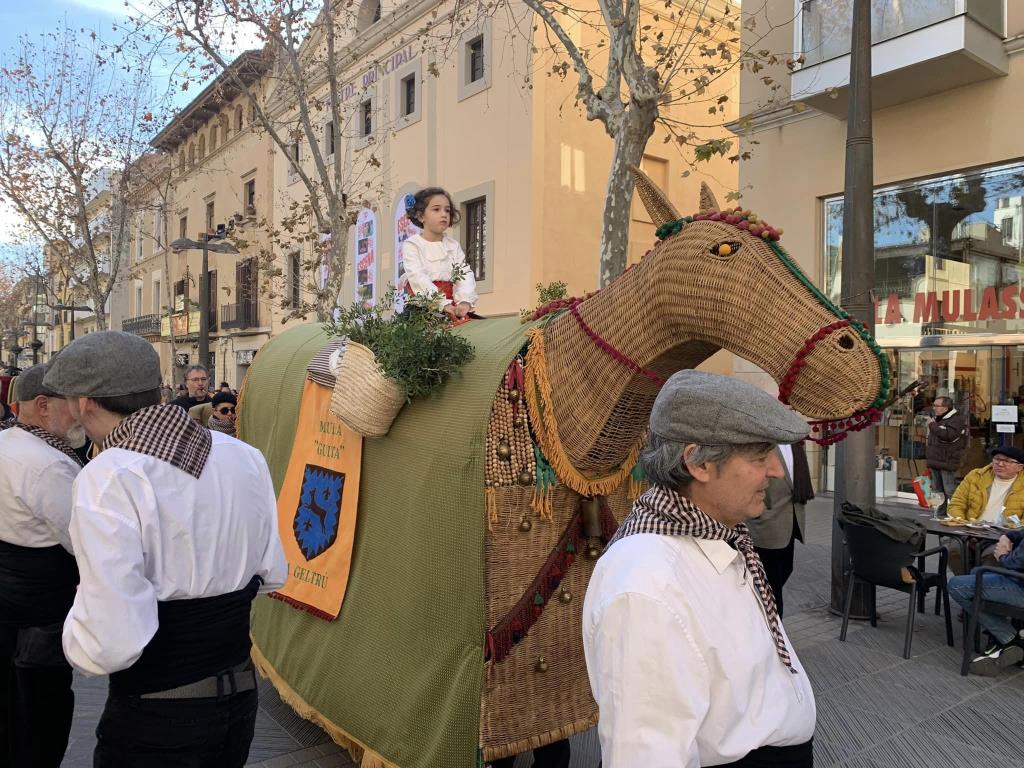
x=481, y=513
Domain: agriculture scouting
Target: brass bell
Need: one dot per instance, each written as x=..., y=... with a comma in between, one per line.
x=504, y=450
x=525, y=477
x=541, y=665
x=513, y=395
x=525, y=524
x=565, y=597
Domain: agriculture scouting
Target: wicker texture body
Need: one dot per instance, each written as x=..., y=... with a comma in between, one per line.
x=675, y=309
x=522, y=707
x=365, y=399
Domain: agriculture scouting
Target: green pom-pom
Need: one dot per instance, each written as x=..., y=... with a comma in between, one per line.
x=537, y=599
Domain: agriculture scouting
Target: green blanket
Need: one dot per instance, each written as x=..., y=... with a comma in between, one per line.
x=400, y=670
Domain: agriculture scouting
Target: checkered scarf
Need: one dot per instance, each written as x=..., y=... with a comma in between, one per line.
x=667, y=513
x=51, y=440
x=165, y=432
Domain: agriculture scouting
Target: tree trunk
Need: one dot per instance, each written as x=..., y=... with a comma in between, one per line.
x=636, y=128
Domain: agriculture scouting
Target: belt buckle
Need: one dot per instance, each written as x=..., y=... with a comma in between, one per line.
x=228, y=674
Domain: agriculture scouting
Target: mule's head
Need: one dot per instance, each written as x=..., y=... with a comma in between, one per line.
x=727, y=280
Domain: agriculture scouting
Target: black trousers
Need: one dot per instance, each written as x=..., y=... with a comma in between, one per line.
x=176, y=733
x=36, y=704
x=798, y=756
x=778, y=566
x=554, y=755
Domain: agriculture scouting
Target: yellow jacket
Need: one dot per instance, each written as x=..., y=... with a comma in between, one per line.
x=972, y=495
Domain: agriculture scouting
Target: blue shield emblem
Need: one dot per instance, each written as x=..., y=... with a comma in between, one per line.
x=319, y=511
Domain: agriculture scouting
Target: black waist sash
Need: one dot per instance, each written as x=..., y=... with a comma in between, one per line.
x=37, y=585
x=195, y=639
x=795, y=756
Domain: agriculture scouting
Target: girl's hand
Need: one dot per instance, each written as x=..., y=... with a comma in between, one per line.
x=450, y=310
x=463, y=309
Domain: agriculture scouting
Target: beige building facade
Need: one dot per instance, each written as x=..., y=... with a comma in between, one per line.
x=470, y=111
x=949, y=177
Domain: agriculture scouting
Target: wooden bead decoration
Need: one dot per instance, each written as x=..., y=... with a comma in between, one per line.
x=509, y=453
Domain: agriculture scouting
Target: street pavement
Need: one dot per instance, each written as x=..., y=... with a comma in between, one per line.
x=875, y=709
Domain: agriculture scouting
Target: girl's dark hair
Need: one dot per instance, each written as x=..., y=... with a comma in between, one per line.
x=419, y=206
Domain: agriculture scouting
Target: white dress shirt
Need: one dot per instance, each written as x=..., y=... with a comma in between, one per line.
x=35, y=491
x=681, y=661
x=427, y=261
x=145, y=531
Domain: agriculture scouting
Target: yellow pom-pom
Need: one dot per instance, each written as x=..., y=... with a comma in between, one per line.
x=779, y=231
x=725, y=249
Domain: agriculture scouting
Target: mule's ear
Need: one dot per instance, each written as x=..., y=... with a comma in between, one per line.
x=658, y=207
x=708, y=203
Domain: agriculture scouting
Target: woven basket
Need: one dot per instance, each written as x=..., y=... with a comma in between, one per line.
x=364, y=398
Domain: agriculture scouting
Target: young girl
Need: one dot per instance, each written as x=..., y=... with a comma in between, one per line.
x=432, y=259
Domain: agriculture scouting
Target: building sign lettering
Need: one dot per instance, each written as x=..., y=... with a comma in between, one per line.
x=380, y=70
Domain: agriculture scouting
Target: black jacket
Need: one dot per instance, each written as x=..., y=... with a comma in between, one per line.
x=947, y=440
x=187, y=402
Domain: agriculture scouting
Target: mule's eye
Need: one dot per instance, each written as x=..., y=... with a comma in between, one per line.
x=726, y=249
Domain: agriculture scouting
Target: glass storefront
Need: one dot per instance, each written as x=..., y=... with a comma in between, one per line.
x=949, y=308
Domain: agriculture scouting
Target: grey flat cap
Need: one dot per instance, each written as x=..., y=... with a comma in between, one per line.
x=29, y=385
x=105, y=364
x=698, y=407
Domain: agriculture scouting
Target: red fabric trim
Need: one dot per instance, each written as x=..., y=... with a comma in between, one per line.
x=302, y=606
x=447, y=287
x=611, y=351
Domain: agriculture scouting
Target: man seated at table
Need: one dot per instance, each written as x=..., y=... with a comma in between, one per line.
x=1007, y=647
x=994, y=492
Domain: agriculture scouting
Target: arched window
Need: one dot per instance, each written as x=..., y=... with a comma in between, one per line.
x=225, y=126
x=213, y=138
x=181, y=160
x=202, y=147
x=369, y=14
x=238, y=118
x=191, y=155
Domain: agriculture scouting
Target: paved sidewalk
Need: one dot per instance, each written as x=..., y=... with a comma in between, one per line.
x=875, y=709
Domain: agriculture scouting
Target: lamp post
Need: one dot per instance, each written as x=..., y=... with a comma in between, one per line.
x=205, y=245
x=72, y=308
x=855, y=456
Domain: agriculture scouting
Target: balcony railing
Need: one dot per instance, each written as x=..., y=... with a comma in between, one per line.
x=143, y=325
x=243, y=314
x=825, y=25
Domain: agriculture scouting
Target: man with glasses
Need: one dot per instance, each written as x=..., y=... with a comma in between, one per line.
x=947, y=440
x=197, y=379
x=994, y=492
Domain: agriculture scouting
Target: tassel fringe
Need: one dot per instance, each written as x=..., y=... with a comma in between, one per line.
x=302, y=606
x=491, y=504
x=542, y=417
x=361, y=754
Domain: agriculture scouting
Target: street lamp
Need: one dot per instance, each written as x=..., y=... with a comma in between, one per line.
x=72, y=308
x=205, y=245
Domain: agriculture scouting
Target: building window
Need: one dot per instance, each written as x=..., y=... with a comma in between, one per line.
x=158, y=296
x=238, y=119
x=181, y=160
x=202, y=147
x=366, y=118
x=209, y=217
x=294, y=156
x=369, y=14
x=329, y=137
x=1006, y=227
x=408, y=95
x=191, y=155
x=473, y=65
x=158, y=228
x=474, y=236
x=249, y=196
x=476, y=58
x=138, y=238
x=138, y=299
x=295, y=278
x=183, y=226
x=213, y=138
x=225, y=126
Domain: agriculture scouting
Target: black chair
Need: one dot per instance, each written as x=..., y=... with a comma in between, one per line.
x=881, y=561
x=972, y=631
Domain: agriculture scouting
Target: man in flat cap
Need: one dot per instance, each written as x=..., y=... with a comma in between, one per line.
x=686, y=654
x=38, y=575
x=175, y=530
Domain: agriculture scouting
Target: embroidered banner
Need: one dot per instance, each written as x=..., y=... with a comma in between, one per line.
x=317, y=506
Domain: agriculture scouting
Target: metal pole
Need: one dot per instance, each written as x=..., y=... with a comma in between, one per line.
x=204, y=307
x=72, y=324
x=35, y=321
x=855, y=459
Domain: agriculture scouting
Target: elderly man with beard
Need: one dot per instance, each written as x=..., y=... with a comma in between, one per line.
x=686, y=653
x=38, y=574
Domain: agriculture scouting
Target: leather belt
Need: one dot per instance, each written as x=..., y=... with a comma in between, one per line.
x=236, y=679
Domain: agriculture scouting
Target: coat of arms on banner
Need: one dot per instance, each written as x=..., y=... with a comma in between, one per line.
x=319, y=510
